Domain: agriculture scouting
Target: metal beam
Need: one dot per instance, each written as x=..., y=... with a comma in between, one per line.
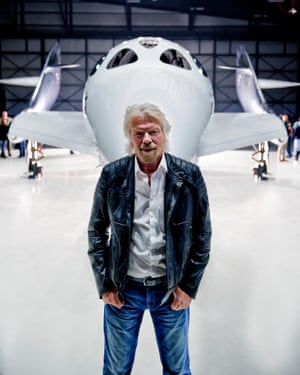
x=128, y=16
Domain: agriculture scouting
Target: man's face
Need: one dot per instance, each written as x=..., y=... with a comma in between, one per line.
x=147, y=139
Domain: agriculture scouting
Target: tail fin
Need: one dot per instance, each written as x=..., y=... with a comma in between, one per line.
x=47, y=85
x=249, y=87
x=248, y=91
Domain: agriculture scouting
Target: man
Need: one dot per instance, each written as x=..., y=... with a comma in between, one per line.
x=282, y=146
x=5, y=121
x=296, y=144
x=149, y=242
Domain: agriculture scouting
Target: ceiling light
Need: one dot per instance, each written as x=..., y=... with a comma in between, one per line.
x=197, y=9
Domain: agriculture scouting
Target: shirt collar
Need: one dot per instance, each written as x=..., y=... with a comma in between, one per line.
x=161, y=167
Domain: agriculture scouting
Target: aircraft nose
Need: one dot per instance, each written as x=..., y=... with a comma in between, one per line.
x=184, y=101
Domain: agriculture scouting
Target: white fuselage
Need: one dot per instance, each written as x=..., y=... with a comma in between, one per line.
x=185, y=95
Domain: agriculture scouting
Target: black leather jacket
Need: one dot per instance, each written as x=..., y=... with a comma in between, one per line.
x=188, y=227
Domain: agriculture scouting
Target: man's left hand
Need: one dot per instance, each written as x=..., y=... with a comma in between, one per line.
x=181, y=299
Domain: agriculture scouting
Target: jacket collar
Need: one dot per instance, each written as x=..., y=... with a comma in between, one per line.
x=175, y=169
x=176, y=176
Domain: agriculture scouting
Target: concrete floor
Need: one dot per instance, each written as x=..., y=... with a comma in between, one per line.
x=245, y=319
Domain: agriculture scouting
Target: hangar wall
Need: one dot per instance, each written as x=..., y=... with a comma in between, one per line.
x=87, y=30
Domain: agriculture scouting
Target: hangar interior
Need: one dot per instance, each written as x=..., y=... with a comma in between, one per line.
x=245, y=318
x=86, y=30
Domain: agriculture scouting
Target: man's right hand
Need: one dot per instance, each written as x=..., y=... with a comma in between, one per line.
x=112, y=298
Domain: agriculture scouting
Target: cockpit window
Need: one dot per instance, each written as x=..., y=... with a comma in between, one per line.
x=123, y=57
x=173, y=57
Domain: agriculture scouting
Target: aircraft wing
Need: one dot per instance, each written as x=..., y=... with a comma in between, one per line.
x=20, y=81
x=227, y=131
x=275, y=84
x=56, y=128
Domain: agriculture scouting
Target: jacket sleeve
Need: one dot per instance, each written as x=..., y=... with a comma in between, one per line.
x=99, y=236
x=201, y=238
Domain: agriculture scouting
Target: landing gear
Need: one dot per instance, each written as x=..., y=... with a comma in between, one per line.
x=259, y=172
x=261, y=157
x=35, y=170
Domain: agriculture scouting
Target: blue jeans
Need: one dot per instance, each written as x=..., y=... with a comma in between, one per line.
x=121, y=329
x=3, y=146
x=22, y=148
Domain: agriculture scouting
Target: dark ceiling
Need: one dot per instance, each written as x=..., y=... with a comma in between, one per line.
x=276, y=12
x=271, y=19
x=263, y=18
x=256, y=11
x=275, y=19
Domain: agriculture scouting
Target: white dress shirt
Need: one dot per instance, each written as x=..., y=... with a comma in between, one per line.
x=147, y=250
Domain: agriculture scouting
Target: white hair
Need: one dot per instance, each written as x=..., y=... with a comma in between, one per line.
x=144, y=110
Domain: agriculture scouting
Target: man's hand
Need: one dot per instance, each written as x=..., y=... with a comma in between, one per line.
x=112, y=298
x=181, y=299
